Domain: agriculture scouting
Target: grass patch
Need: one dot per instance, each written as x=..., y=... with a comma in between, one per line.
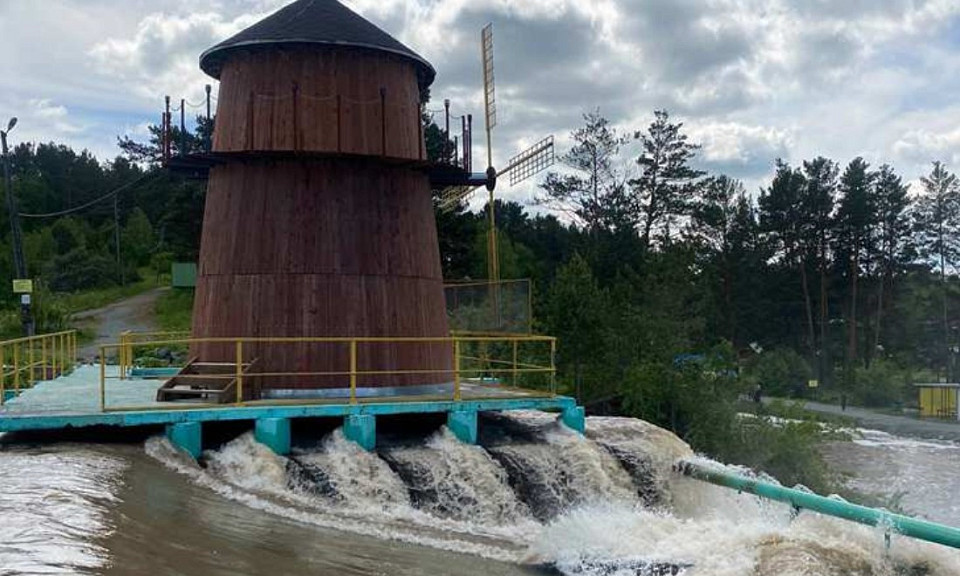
x=174, y=309
x=75, y=302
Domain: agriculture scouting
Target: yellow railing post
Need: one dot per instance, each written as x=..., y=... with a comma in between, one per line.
x=55, y=355
x=43, y=358
x=31, y=357
x=456, y=369
x=103, y=379
x=16, y=369
x=239, y=371
x=553, y=366
x=3, y=375
x=516, y=345
x=353, y=371
x=73, y=348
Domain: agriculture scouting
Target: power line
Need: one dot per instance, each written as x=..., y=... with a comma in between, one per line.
x=98, y=200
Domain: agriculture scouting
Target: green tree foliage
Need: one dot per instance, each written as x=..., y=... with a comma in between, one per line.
x=138, y=239
x=594, y=191
x=937, y=221
x=574, y=311
x=667, y=185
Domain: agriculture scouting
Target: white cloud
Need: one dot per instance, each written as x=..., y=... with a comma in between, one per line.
x=753, y=79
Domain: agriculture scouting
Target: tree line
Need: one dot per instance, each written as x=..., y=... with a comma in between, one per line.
x=644, y=265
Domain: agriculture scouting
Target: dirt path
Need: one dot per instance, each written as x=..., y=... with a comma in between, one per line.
x=136, y=314
x=899, y=425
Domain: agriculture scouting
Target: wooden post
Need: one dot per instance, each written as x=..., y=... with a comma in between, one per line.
x=166, y=130
x=446, y=132
x=183, y=128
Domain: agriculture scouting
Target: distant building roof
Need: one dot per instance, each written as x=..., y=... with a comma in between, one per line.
x=306, y=22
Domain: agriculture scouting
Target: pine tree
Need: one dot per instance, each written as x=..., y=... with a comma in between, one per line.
x=667, y=185
x=892, y=233
x=937, y=222
x=816, y=203
x=594, y=194
x=856, y=217
x=782, y=224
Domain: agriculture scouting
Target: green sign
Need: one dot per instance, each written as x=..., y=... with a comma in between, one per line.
x=22, y=286
x=813, y=383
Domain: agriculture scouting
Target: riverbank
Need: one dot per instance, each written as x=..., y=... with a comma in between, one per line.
x=866, y=418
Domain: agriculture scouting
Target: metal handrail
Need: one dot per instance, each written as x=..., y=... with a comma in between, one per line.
x=54, y=354
x=890, y=522
x=515, y=368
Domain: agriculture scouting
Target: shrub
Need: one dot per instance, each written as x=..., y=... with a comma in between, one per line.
x=780, y=372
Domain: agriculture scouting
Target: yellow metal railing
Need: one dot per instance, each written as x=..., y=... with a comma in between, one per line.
x=483, y=362
x=24, y=361
x=128, y=340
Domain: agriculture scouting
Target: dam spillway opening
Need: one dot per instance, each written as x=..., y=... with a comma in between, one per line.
x=536, y=493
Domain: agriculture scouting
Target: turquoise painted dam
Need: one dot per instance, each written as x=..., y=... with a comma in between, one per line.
x=505, y=485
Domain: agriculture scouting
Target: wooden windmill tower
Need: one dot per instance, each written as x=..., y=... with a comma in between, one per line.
x=318, y=219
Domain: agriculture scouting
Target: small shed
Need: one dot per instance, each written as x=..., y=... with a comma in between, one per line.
x=938, y=400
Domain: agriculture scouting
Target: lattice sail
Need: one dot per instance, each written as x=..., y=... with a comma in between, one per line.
x=535, y=159
x=489, y=96
x=452, y=196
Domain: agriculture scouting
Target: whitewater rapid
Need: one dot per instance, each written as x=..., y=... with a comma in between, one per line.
x=535, y=493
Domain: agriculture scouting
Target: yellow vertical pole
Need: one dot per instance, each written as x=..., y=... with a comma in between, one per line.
x=16, y=368
x=73, y=347
x=55, y=354
x=3, y=375
x=553, y=367
x=43, y=358
x=456, y=369
x=31, y=357
x=353, y=371
x=239, y=371
x=516, y=345
x=103, y=379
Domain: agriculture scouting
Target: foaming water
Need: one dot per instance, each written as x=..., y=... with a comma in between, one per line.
x=451, y=479
x=538, y=494
x=54, y=509
x=921, y=476
x=533, y=498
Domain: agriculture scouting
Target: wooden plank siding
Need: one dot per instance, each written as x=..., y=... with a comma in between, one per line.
x=322, y=101
x=322, y=247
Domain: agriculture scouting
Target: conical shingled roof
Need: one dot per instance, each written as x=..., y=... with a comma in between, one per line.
x=314, y=22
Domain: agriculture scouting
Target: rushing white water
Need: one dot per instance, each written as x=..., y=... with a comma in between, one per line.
x=607, y=504
x=53, y=509
x=922, y=476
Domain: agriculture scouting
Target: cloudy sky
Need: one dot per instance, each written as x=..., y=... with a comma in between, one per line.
x=753, y=80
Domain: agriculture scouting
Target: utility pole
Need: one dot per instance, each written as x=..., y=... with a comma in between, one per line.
x=19, y=264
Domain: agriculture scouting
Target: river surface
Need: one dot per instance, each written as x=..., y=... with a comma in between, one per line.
x=534, y=498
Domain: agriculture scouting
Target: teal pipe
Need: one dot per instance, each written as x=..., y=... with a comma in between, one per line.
x=912, y=527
